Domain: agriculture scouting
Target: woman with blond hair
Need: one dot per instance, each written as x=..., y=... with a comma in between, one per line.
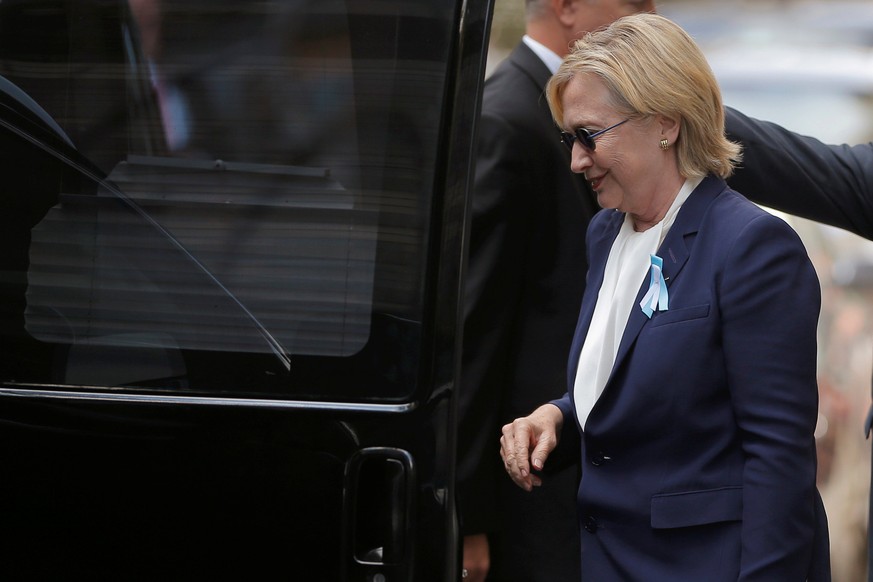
x=692, y=394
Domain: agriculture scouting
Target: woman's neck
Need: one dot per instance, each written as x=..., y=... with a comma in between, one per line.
x=661, y=203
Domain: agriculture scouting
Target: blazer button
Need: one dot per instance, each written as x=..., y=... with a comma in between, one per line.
x=598, y=459
x=590, y=524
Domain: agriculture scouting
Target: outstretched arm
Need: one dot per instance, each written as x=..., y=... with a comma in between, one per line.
x=832, y=184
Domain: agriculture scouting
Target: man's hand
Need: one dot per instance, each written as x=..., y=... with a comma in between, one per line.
x=477, y=558
x=527, y=442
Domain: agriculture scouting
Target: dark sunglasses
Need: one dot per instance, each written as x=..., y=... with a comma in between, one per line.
x=585, y=137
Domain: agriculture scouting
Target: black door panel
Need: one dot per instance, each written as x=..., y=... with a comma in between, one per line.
x=231, y=245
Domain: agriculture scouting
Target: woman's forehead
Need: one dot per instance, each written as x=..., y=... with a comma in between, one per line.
x=586, y=99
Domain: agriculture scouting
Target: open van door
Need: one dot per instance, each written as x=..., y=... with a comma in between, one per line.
x=230, y=272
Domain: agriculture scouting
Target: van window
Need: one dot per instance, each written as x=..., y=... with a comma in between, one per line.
x=219, y=198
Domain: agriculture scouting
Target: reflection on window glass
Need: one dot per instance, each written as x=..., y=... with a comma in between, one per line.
x=234, y=196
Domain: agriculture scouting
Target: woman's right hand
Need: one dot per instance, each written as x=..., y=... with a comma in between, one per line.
x=527, y=442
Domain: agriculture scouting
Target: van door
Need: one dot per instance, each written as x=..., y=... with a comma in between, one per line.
x=230, y=271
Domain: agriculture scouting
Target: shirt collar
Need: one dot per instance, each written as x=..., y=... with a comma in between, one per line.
x=546, y=55
x=684, y=192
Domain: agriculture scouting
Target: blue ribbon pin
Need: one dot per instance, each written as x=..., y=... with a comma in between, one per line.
x=656, y=298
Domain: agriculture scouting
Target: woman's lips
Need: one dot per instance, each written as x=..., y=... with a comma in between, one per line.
x=595, y=182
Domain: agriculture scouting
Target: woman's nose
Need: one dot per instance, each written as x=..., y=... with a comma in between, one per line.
x=580, y=158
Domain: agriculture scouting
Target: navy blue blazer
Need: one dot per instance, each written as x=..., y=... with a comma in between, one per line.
x=699, y=457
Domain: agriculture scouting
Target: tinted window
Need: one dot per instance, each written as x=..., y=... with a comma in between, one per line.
x=219, y=198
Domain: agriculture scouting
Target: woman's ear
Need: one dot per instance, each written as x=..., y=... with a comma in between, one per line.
x=669, y=128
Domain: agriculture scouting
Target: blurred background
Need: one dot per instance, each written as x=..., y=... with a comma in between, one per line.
x=807, y=65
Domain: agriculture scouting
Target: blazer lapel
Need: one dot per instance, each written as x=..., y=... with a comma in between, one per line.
x=531, y=65
x=675, y=251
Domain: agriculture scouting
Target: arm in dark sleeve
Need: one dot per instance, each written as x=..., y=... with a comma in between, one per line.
x=832, y=184
x=769, y=297
x=569, y=439
x=499, y=232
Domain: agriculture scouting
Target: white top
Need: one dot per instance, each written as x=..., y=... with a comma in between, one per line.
x=546, y=55
x=626, y=267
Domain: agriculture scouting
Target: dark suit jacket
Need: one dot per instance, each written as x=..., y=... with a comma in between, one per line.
x=800, y=175
x=525, y=279
x=699, y=456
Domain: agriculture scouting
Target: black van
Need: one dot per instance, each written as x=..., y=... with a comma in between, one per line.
x=230, y=271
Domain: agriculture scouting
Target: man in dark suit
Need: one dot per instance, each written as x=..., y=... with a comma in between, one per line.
x=832, y=184
x=525, y=279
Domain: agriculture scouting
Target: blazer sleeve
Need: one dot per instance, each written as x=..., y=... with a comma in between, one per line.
x=769, y=298
x=569, y=440
x=832, y=184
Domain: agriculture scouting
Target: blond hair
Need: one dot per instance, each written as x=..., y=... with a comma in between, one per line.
x=651, y=66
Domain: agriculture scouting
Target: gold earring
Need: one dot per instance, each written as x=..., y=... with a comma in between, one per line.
x=664, y=143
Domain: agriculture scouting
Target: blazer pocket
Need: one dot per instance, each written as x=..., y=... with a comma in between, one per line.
x=678, y=315
x=697, y=507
